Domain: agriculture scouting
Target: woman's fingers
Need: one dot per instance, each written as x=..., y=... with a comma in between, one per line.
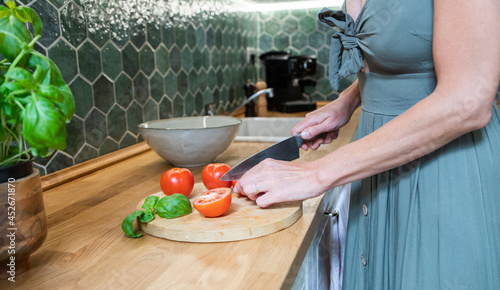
x=315, y=144
x=273, y=181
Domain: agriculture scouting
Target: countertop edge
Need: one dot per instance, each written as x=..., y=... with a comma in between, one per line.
x=78, y=170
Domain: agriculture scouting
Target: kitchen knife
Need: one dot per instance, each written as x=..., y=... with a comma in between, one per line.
x=286, y=150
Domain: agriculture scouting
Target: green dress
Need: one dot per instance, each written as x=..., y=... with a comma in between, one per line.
x=432, y=223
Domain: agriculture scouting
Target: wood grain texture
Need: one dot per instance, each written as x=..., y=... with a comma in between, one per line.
x=244, y=220
x=73, y=172
x=86, y=248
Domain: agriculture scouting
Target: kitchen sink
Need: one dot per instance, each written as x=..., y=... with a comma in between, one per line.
x=262, y=129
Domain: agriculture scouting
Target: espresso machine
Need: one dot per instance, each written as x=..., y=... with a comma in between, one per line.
x=288, y=75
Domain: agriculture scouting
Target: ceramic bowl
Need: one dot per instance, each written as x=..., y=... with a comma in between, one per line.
x=190, y=141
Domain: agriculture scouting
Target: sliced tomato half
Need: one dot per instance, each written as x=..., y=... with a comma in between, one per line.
x=214, y=202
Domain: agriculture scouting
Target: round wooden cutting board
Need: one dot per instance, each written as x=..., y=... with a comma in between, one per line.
x=244, y=220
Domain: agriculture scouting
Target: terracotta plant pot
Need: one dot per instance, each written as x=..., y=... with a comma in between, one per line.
x=23, y=224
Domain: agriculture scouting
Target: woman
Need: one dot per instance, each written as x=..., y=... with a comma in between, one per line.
x=424, y=215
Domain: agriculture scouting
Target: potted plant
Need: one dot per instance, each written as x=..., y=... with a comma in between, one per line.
x=35, y=105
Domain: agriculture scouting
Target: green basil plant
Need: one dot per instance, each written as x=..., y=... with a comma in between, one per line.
x=35, y=101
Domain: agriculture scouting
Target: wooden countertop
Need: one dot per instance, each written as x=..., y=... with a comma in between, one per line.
x=86, y=248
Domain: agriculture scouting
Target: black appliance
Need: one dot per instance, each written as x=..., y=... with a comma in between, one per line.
x=287, y=75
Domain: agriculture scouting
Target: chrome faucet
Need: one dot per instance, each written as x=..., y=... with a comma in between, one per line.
x=251, y=98
x=210, y=109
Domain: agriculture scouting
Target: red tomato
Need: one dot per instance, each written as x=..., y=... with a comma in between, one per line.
x=212, y=173
x=177, y=180
x=214, y=202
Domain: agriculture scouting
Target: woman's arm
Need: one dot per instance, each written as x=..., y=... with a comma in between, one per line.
x=467, y=62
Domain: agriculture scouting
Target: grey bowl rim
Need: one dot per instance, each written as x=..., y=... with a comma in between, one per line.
x=142, y=125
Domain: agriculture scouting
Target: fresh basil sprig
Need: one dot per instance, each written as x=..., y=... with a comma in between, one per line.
x=169, y=207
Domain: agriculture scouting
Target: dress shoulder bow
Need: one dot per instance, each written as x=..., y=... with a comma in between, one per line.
x=346, y=57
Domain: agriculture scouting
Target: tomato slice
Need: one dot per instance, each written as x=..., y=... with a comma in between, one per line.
x=214, y=202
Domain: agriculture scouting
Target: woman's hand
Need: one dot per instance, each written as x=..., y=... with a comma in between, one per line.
x=329, y=118
x=326, y=119
x=273, y=181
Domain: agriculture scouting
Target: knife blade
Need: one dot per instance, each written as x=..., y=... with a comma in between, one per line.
x=286, y=150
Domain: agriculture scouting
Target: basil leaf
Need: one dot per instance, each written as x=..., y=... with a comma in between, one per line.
x=12, y=113
x=50, y=92
x=128, y=224
x=4, y=12
x=50, y=74
x=37, y=74
x=44, y=127
x=173, y=206
x=41, y=151
x=15, y=36
x=147, y=216
x=31, y=16
x=11, y=4
x=67, y=107
x=21, y=76
x=13, y=86
x=22, y=15
x=150, y=202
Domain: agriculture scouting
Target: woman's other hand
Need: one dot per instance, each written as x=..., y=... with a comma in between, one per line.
x=329, y=118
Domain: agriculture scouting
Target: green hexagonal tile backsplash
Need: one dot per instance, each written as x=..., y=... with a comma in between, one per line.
x=127, y=63
x=112, y=66
x=64, y=57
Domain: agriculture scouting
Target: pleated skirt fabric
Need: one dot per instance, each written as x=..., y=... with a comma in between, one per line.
x=432, y=223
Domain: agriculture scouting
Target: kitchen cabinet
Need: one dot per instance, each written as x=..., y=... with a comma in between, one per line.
x=86, y=248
